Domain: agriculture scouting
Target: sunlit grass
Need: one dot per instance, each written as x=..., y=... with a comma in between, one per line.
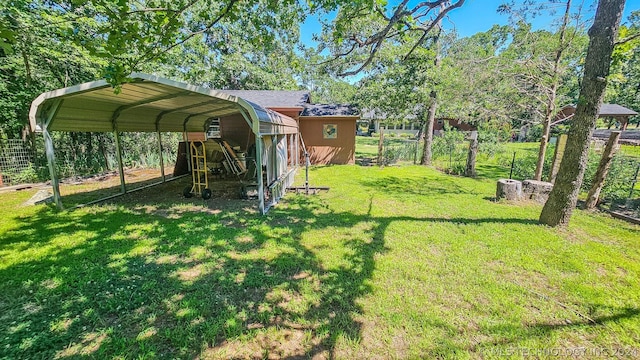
x=401, y=262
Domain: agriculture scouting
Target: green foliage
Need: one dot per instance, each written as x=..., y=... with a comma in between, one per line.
x=624, y=79
x=489, y=143
x=618, y=183
x=399, y=150
x=534, y=134
x=524, y=166
x=27, y=175
x=450, y=151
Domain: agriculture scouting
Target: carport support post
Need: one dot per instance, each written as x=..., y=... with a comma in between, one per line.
x=161, y=159
x=48, y=148
x=51, y=160
x=123, y=188
x=259, y=147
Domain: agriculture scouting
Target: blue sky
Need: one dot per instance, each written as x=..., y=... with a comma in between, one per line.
x=477, y=16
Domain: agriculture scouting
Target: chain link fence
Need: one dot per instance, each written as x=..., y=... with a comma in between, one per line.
x=399, y=150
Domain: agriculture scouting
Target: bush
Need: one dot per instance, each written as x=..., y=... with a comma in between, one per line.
x=489, y=143
x=619, y=179
x=26, y=175
x=534, y=134
x=450, y=151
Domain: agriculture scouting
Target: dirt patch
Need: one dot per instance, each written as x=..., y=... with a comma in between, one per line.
x=270, y=344
x=191, y=274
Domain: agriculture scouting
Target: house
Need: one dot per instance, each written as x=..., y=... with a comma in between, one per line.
x=327, y=130
x=411, y=125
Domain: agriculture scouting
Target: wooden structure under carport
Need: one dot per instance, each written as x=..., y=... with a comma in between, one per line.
x=149, y=103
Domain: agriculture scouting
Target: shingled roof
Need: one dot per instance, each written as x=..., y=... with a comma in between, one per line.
x=329, y=110
x=606, y=110
x=273, y=98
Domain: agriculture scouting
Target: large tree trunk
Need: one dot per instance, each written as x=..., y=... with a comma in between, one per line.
x=428, y=132
x=551, y=103
x=602, y=36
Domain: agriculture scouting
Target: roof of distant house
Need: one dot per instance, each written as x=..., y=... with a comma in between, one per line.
x=273, y=98
x=329, y=110
x=609, y=110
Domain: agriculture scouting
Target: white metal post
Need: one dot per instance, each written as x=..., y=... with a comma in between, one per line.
x=123, y=188
x=51, y=160
x=47, y=119
x=161, y=158
x=259, y=147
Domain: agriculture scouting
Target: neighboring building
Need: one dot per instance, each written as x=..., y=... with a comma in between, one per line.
x=411, y=125
x=328, y=130
x=453, y=123
x=615, y=112
x=377, y=119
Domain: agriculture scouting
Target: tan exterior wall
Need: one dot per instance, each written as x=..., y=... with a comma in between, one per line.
x=340, y=150
x=293, y=113
x=235, y=130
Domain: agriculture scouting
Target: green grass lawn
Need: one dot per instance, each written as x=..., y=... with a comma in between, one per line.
x=400, y=262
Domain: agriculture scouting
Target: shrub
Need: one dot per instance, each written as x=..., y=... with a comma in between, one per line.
x=489, y=143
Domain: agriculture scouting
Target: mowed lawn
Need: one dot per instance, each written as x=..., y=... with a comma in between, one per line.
x=400, y=262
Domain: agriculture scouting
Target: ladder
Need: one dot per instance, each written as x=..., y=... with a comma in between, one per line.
x=236, y=166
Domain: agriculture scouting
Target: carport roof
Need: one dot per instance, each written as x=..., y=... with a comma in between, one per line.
x=147, y=103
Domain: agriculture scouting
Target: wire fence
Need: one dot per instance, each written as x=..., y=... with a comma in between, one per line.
x=82, y=154
x=399, y=151
x=518, y=161
x=17, y=162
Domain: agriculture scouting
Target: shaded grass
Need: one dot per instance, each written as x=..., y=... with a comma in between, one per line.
x=390, y=263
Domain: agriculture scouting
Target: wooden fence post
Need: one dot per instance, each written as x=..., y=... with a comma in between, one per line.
x=380, y=147
x=603, y=170
x=470, y=169
x=561, y=144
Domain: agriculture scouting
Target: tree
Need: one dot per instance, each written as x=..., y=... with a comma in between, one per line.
x=540, y=71
x=602, y=37
x=362, y=28
x=624, y=82
x=42, y=57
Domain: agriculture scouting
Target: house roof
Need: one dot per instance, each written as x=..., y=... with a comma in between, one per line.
x=605, y=110
x=329, y=110
x=273, y=98
x=615, y=110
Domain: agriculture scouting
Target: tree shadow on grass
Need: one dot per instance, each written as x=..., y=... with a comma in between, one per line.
x=511, y=334
x=154, y=279
x=112, y=281
x=427, y=186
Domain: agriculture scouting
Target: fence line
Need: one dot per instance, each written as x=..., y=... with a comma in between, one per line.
x=81, y=154
x=16, y=162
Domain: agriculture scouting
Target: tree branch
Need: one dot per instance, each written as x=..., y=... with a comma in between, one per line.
x=627, y=39
x=149, y=56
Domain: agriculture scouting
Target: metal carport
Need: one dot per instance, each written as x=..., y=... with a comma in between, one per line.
x=150, y=103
